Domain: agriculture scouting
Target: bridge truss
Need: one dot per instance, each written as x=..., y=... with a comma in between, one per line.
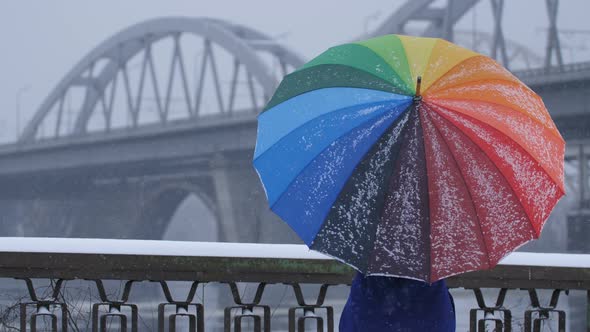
x=177, y=69
x=212, y=67
x=439, y=20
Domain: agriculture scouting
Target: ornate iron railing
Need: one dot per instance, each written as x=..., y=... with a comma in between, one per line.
x=160, y=262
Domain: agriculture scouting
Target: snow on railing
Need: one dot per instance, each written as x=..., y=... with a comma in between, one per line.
x=155, y=248
x=61, y=259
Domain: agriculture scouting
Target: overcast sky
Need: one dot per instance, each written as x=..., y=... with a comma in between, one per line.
x=42, y=40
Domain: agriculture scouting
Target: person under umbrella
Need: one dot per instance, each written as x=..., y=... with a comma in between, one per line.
x=396, y=304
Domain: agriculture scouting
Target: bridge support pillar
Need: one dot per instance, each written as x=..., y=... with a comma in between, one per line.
x=243, y=210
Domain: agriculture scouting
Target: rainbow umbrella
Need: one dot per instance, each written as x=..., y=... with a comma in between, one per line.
x=409, y=157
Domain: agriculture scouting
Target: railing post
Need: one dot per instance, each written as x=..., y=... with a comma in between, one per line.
x=182, y=309
x=501, y=324
x=247, y=310
x=308, y=311
x=114, y=309
x=534, y=317
x=43, y=308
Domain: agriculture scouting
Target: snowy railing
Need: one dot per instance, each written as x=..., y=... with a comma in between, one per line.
x=162, y=262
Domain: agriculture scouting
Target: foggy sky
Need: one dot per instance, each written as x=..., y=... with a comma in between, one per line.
x=42, y=40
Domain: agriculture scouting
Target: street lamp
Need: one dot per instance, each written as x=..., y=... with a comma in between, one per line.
x=19, y=93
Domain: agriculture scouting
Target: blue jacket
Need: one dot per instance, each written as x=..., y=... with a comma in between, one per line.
x=383, y=304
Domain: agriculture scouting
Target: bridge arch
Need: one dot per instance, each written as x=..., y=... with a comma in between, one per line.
x=162, y=204
x=249, y=48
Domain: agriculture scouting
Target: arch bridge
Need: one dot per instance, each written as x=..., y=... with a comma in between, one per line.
x=168, y=107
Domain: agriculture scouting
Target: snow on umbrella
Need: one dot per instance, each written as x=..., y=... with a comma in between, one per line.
x=410, y=157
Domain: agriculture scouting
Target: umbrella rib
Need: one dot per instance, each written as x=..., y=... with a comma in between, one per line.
x=378, y=79
x=398, y=126
x=553, y=129
x=366, y=72
x=467, y=83
x=342, y=109
x=402, y=134
x=517, y=143
x=537, y=234
x=428, y=53
x=381, y=209
x=538, y=163
x=441, y=76
x=408, y=80
x=481, y=80
x=322, y=151
x=428, y=61
x=406, y=87
x=444, y=140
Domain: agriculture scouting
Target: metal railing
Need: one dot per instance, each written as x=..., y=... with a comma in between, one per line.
x=133, y=261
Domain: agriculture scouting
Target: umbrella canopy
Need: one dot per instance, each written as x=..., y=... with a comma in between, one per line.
x=409, y=157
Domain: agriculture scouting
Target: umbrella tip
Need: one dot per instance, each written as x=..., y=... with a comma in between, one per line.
x=418, y=97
